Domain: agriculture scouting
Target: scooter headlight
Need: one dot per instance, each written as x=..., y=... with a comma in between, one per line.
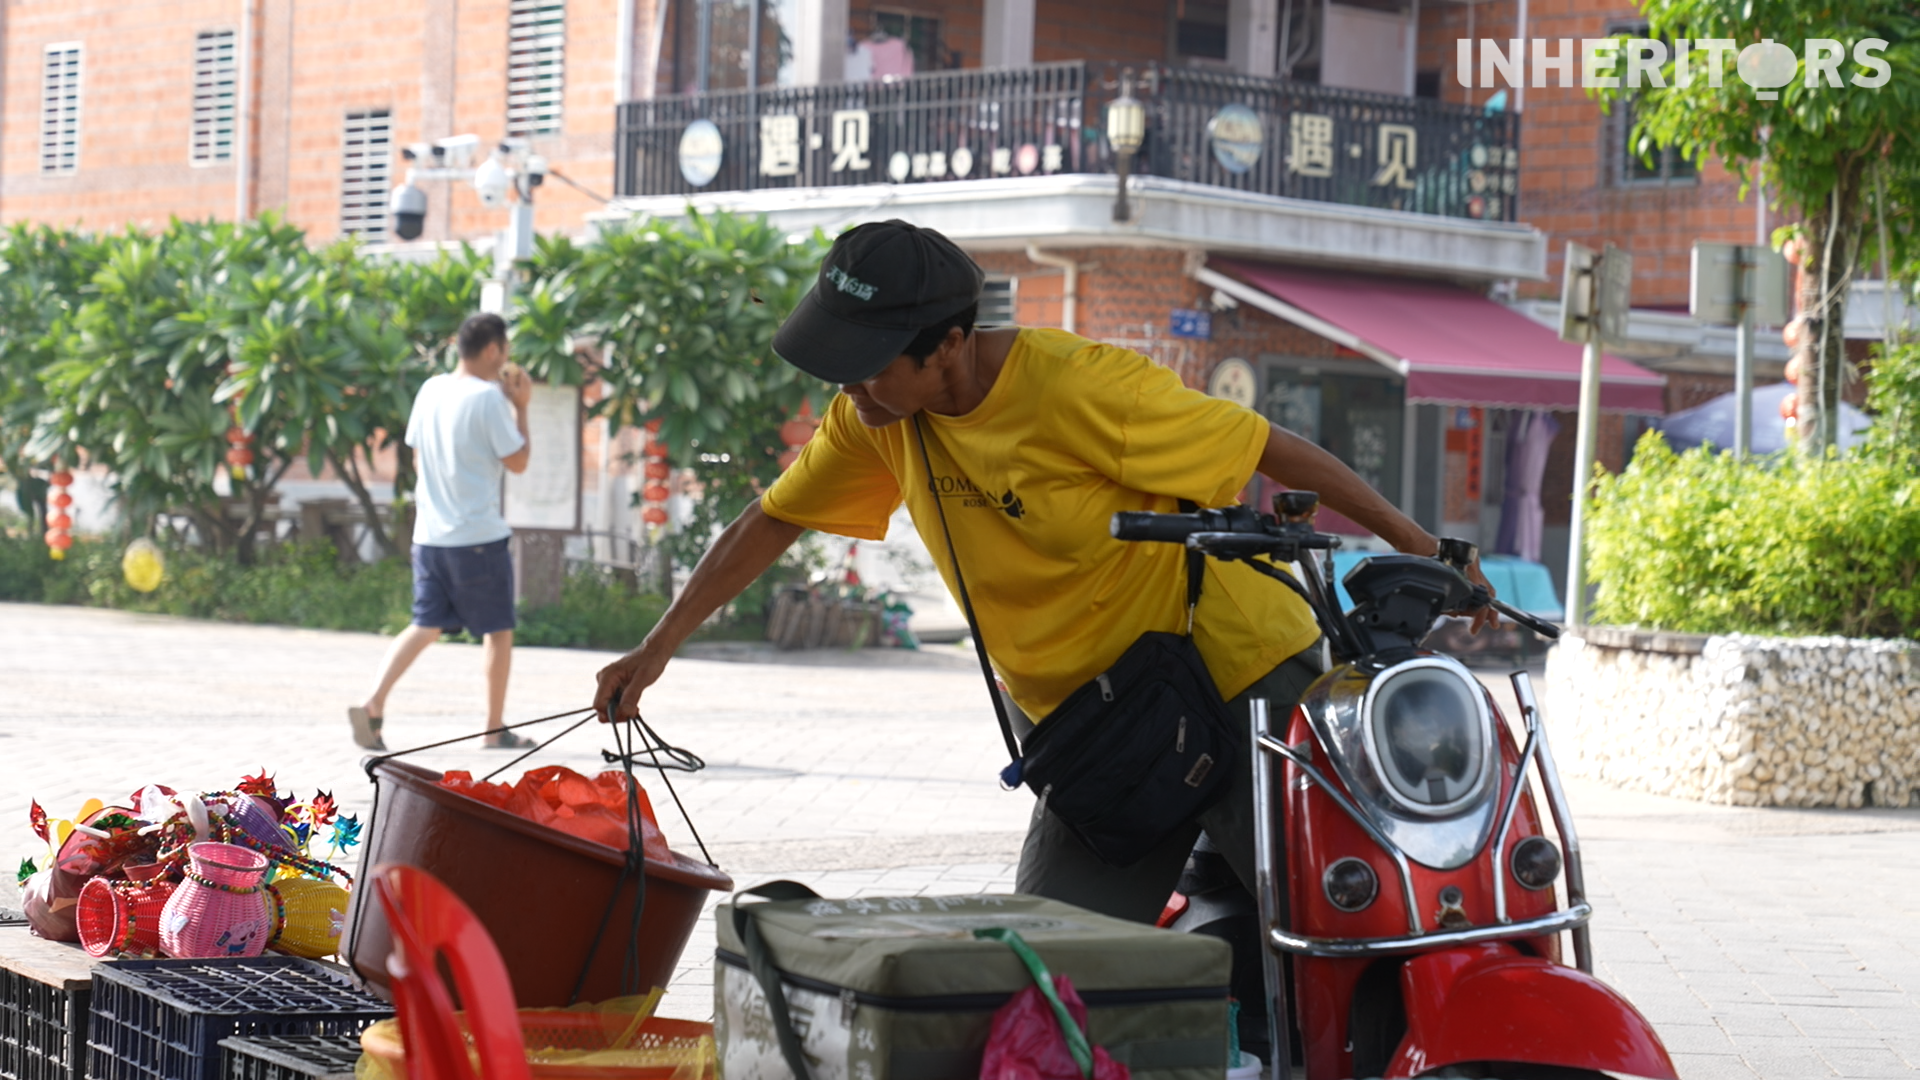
x=1430, y=733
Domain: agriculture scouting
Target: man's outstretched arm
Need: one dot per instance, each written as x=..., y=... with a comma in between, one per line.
x=742, y=553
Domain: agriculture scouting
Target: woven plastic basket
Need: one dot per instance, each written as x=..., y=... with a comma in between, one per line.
x=121, y=916
x=577, y=1044
x=308, y=916
x=222, y=908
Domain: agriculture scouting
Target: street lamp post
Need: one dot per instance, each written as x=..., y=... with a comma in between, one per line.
x=1126, y=130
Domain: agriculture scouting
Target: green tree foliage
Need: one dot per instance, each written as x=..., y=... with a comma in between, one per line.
x=682, y=320
x=138, y=351
x=176, y=336
x=1830, y=151
x=1699, y=542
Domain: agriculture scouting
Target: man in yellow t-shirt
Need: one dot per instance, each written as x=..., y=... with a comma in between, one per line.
x=1036, y=438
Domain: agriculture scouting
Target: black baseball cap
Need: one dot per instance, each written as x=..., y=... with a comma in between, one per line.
x=880, y=285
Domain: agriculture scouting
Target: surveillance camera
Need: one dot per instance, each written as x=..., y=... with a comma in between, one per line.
x=456, y=151
x=491, y=181
x=535, y=169
x=1222, y=302
x=409, y=209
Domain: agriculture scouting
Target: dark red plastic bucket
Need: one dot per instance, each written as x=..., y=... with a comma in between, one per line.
x=540, y=892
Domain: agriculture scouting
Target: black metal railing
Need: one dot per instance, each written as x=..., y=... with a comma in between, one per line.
x=1271, y=136
x=1331, y=145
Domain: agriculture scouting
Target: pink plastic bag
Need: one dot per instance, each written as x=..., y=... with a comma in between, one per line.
x=1025, y=1042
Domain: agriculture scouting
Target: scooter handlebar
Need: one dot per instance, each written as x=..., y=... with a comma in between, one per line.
x=1144, y=525
x=1538, y=625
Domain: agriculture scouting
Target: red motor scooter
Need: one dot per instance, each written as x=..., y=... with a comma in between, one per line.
x=1415, y=900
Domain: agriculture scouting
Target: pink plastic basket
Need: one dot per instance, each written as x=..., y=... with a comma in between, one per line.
x=222, y=908
x=121, y=916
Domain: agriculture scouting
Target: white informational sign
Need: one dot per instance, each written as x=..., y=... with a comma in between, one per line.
x=547, y=495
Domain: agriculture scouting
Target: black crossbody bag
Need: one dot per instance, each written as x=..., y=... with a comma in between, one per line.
x=1135, y=753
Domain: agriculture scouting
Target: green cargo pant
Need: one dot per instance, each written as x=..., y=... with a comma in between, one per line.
x=1055, y=864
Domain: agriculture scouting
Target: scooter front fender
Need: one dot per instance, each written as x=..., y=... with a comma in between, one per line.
x=1495, y=1003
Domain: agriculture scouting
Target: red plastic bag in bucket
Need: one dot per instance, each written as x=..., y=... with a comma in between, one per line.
x=560, y=798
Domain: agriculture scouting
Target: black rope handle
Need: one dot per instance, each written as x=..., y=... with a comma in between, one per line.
x=369, y=763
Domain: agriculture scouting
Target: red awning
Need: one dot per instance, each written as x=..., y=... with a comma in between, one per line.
x=1454, y=347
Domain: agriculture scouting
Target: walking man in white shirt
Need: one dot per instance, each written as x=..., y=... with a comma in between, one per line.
x=467, y=429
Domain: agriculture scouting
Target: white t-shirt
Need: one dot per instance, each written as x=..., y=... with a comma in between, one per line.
x=462, y=427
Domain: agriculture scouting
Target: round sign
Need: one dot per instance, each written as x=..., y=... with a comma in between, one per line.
x=1233, y=380
x=701, y=149
x=1237, y=138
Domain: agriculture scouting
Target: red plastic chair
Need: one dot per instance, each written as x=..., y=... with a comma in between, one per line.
x=428, y=922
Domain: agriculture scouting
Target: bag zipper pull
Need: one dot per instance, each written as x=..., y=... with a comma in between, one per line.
x=848, y=1003
x=1180, y=744
x=1044, y=792
x=1106, y=687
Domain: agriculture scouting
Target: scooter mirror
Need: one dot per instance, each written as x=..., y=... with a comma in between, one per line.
x=1457, y=553
x=1295, y=507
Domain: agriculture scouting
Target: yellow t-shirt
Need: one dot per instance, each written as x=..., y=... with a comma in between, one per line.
x=1071, y=431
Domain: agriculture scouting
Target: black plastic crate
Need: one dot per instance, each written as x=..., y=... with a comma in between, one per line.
x=291, y=1057
x=43, y=1027
x=164, y=1019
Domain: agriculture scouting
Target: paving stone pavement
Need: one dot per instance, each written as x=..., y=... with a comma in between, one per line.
x=1761, y=943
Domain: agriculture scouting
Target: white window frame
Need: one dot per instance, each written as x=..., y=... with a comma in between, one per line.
x=366, y=172
x=60, y=117
x=536, y=67
x=995, y=311
x=214, y=113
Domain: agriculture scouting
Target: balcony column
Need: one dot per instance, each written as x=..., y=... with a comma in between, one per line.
x=1253, y=36
x=1006, y=34
x=820, y=42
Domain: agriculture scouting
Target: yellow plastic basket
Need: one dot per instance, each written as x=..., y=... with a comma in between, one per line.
x=308, y=916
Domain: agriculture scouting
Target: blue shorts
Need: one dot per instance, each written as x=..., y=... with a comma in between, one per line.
x=471, y=587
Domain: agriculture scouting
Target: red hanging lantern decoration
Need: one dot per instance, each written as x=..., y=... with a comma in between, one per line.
x=59, y=523
x=239, y=446
x=655, y=494
x=796, y=433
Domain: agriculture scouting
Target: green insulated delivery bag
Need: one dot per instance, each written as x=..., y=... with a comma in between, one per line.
x=898, y=988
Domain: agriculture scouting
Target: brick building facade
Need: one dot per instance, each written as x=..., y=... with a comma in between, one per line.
x=137, y=112
x=118, y=113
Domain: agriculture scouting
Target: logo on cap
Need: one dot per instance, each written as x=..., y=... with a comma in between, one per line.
x=847, y=283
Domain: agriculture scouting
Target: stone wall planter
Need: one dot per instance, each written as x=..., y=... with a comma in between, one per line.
x=1747, y=721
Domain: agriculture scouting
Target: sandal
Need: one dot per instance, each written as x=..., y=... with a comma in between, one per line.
x=366, y=728
x=507, y=740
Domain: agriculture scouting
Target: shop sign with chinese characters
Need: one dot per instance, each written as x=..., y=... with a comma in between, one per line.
x=784, y=140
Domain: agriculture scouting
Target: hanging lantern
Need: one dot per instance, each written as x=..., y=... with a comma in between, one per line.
x=657, y=470
x=1794, y=332
x=796, y=433
x=59, y=523
x=239, y=446
x=1790, y=407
